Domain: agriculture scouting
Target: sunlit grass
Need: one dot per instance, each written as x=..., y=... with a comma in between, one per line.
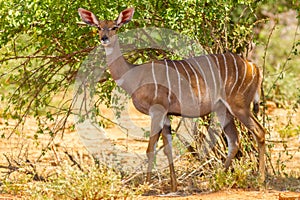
x=66, y=182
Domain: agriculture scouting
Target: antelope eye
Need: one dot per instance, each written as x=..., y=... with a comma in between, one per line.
x=100, y=28
x=114, y=28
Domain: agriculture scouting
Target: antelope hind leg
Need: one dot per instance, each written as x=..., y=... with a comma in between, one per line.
x=227, y=122
x=259, y=132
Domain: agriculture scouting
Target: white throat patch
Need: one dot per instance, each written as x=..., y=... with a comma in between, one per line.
x=108, y=50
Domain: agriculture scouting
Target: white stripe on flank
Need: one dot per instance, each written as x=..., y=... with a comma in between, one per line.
x=253, y=74
x=179, y=82
x=197, y=80
x=212, y=75
x=226, y=71
x=219, y=72
x=245, y=73
x=155, y=81
x=168, y=79
x=203, y=75
x=190, y=82
x=236, y=73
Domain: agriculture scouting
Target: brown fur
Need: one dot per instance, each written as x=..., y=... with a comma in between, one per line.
x=225, y=88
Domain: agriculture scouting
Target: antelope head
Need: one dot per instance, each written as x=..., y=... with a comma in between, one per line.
x=106, y=28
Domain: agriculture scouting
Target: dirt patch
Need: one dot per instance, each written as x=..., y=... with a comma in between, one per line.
x=20, y=144
x=235, y=195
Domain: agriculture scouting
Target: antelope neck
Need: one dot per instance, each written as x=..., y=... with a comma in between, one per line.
x=117, y=64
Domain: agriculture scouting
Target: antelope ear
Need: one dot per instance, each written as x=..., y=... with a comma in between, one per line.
x=88, y=17
x=125, y=16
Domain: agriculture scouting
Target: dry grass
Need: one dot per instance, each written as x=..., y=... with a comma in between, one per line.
x=64, y=169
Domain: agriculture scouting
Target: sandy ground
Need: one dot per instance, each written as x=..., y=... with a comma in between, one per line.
x=71, y=142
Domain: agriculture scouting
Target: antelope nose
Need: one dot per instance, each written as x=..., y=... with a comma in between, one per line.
x=105, y=40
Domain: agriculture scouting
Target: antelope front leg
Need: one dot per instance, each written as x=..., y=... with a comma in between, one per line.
x=158, y=117
x=150, y=154
x=167, y=140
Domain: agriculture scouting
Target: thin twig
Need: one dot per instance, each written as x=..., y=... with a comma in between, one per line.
x=264, y=75
x=73, y=160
